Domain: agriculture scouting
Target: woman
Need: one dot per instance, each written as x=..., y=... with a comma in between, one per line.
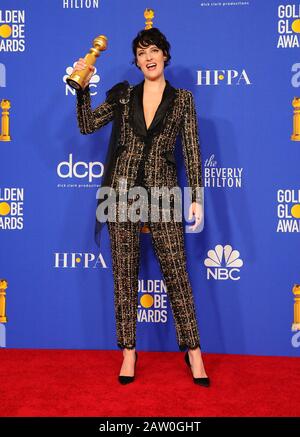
x=150, y=116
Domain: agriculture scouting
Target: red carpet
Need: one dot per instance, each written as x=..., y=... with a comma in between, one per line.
x=50, y=382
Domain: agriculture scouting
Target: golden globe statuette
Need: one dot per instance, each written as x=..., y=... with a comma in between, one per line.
x=148, y=14
x=78, y=77
x=296, y=119
x=296, y=324
x=3, y=287
x=4, y=134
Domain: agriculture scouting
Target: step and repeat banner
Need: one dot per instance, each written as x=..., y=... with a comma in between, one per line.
x=241, y=61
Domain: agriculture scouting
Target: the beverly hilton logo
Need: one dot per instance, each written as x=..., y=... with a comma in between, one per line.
x=223, y=262
x=80, y=4
x=216, y=176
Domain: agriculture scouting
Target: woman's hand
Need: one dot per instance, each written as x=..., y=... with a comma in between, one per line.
x=81, y=65
x=195, y=209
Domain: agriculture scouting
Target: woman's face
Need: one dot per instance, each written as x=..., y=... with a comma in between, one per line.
x=146, y=56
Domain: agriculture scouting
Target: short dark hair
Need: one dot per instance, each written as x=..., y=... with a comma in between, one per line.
x=146, y=37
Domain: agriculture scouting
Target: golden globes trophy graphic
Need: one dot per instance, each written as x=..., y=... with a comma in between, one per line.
x=5, y=106
x=77, y=78
x=149, y=15
x=296, y=324
x=296, y=119
x=3, y=318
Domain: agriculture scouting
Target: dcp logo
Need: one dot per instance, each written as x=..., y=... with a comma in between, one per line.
x=80, y=169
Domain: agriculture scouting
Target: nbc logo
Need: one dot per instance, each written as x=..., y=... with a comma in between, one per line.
x=93, y=82
x=223, y=263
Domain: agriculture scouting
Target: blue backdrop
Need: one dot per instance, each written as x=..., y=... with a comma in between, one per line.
x=241, y=61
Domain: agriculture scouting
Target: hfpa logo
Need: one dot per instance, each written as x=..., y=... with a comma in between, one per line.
x=75, y=260
x=223, y=263
x=218, y=77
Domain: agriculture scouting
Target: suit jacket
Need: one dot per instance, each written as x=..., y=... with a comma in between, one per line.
x=144, y=156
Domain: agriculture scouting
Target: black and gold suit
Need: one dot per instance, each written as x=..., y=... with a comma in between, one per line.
x=145, y=157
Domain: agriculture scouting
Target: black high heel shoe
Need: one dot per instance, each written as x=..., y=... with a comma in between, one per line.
x=127, y=379
x=205, y=382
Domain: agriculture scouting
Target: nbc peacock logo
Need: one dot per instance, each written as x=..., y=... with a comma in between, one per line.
x=95, y=79
x=223, y=262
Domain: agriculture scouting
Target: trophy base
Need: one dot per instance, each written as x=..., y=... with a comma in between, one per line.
x=296, y=327
x=73, y=84
x=295, y=137
x=5, y=138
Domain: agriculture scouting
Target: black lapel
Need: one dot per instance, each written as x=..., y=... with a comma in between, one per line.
x=138, y=119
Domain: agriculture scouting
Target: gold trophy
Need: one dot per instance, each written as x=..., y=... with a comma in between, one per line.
x=77, y=79
x=3, y=287
x=149, y=15
x=296, y=323
x=4, y=134
x=296, y=119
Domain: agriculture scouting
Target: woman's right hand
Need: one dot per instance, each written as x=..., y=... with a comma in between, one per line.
x=81, y=65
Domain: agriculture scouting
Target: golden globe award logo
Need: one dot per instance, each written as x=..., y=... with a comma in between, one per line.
x=152, y=307
x=11, y=208
x=288, y=26
x=12, y=30
x=288, y=211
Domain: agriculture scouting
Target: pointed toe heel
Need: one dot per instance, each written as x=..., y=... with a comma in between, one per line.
x=128, y=379
x=204, y=382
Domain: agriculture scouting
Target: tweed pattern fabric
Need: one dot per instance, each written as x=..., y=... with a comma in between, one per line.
x=145, y=157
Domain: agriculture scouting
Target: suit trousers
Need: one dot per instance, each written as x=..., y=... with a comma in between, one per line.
x=168, y=243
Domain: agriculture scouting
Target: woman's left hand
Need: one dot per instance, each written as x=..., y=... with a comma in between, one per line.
x=195, y=209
